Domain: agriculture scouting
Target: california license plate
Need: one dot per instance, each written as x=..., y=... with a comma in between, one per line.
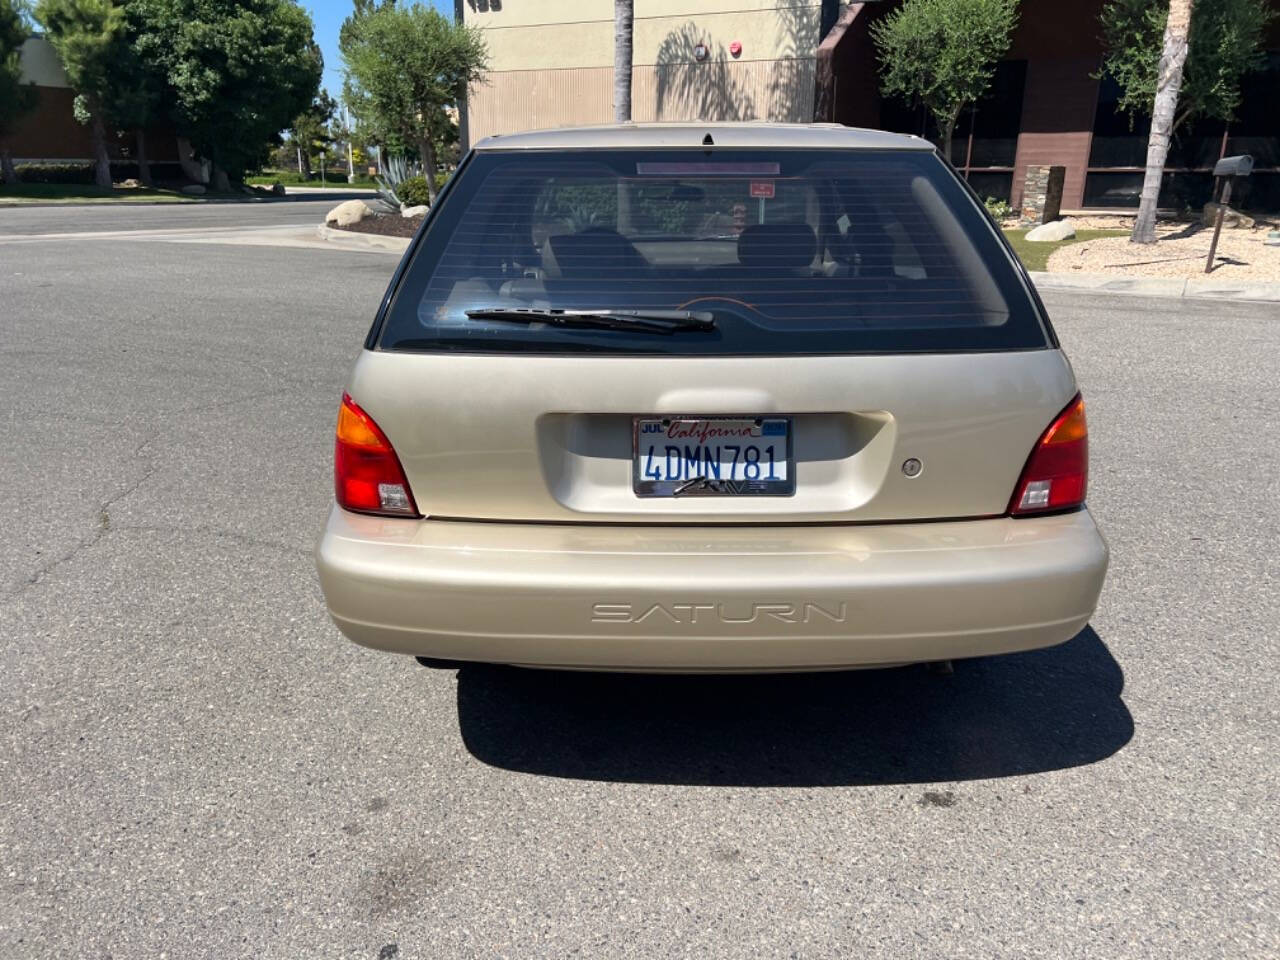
x=713, y=456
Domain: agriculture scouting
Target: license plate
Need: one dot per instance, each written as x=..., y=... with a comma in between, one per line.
x=713, y=456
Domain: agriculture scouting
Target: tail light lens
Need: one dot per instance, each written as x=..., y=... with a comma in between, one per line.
x=1057, y=472
x=367, y=474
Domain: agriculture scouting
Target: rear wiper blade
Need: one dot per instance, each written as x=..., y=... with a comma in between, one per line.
x=648, y=321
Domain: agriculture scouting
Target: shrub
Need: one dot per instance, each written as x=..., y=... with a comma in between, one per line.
x=413, y=192
x=999, y=209
x=56, y=172
x=82, y=173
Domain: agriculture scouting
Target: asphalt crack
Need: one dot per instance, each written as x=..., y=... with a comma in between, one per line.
x=100, y=529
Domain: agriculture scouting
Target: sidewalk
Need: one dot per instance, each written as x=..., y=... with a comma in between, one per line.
x=1206, y=287
x=362, y=241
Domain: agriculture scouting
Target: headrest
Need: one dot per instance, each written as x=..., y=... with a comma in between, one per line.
x=596, y=251
x=778, y=246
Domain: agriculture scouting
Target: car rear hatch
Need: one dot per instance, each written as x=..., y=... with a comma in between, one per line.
x=876, y=353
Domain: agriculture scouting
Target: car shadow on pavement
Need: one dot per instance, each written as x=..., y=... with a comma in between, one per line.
x=995, y=717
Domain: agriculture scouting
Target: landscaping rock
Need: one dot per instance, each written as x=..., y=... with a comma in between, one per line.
x=418, y=211
x=130, y=184
x=1231, y=219
x=1178, y=253
x=194, y=189
x=277, y=189
x=1053, y=232
x=345, y=214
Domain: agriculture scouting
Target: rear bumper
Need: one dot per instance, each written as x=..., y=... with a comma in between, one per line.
x=716, y=599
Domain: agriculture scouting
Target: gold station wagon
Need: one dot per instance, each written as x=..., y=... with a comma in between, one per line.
x=710, y=397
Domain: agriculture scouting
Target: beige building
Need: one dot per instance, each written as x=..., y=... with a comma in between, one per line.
x=552, y=62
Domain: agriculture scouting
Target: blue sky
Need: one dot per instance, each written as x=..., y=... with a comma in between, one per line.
x=328, y=16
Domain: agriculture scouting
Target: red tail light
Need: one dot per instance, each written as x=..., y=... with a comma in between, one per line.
x=1057, y=472
x=366, y=471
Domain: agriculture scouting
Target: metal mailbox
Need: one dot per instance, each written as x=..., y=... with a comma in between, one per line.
x=1226, y=170
x=1240, y=166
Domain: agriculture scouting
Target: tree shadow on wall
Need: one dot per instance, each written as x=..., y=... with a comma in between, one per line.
x=692, y=90
x=721, y=88
x=791, y=87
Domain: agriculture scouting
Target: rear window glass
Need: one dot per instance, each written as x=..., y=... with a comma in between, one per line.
x=789, y=252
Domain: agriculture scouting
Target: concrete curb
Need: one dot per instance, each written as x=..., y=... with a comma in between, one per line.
x=293, y=190
x=1198, y=288
x=362, y=241
x=8, y=204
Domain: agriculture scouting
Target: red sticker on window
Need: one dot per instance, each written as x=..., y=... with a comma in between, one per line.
x=762, y=189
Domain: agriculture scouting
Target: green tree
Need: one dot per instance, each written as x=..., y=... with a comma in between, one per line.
x=348, y=32
x=238, y=72
x=943, y=54
x=85, y=34
x=405, y=68
x=137, y=90
x=311, y=129
x=16, y=97
x=1226, y=42
x=366, y=127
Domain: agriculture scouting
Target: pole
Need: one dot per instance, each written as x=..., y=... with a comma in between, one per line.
x=351, y=163
x=1217, y=223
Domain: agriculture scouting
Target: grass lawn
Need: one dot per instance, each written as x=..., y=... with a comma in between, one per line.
x=85, y=193
x=1035, y=256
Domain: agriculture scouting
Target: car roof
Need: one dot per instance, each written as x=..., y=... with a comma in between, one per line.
x=692, y=134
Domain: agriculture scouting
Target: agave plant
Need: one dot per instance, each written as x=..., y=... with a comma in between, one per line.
x=581, y=217
x=395, y=172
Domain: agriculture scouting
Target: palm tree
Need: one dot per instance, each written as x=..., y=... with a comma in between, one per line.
x=624, y=17
x=1168, y=83
x=623, y=28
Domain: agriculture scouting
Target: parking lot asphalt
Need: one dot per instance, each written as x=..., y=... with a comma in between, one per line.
x=75, y=219
x=194, y=763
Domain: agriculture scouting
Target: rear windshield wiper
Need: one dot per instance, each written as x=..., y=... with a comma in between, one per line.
x=647, y=321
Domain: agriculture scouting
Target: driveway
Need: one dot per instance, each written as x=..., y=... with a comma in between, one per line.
x=70, y=219
x=196, y=764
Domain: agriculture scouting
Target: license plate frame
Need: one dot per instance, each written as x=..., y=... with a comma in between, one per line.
x=737, y=486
